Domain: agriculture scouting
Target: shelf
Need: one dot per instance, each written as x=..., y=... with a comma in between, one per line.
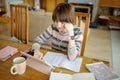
x=117, y=18
x=109, y=9
x=109, y=3
x=2, y=6
x=49, y=5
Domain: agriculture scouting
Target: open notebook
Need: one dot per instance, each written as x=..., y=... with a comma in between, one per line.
x=7, y=52
x=61, y=60
x=76, y=76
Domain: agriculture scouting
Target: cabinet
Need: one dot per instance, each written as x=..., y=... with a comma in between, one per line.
x=111, y=6
x=3, y=11
x=31, y=2
x=49, y=5
x=2, y=6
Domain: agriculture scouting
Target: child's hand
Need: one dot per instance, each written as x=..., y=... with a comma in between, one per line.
x=69, y=27
x=38, y=54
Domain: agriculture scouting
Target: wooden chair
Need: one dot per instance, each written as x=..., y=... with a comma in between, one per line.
x=19, y=22
x=78, y=18
x=86, y=9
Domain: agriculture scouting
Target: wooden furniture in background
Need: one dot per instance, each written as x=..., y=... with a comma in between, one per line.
x=19, y=22
x=32, y=74
x=2, y=12
x=2, y=6
x=85, y=17
x=109, y=4
x=80, y=8
x=30, y=2
x=42, y=4
x=49, y=5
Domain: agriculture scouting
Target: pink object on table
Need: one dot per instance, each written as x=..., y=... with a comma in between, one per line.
x=7, y=52
x=37, y=64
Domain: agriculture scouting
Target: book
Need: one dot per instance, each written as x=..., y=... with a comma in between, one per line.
x=76, y=76
x=102, y=72
x=61, y=60
x=7, y=52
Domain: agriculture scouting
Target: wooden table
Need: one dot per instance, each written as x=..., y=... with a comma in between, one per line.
x=30, y=73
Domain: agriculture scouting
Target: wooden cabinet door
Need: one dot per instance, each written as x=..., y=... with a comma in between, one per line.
x=60, y=1
x=2, y=6
x=109, y=3
x=31, y=2
x=51, y=4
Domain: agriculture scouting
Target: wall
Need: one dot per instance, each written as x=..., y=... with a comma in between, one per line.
x=37, y=4
x=94, y=2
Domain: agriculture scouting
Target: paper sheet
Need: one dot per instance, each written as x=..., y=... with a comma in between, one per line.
x=61, y=60
x=77, y=76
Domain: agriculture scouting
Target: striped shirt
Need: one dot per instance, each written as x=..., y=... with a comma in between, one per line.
x=59, y=41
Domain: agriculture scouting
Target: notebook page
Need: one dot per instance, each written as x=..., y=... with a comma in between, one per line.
x=72, y=65
x=61, y=60
x=53, y=58
x=83, y=76
x=60, y=76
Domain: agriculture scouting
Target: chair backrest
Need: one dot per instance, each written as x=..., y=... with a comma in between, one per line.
x=80, y=8
x=19, y=22
x=78, y=19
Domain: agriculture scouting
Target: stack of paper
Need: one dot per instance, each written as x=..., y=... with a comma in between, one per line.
x=61, y=60
x=7, y=52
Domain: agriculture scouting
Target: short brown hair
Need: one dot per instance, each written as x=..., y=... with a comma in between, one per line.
x=63, y=13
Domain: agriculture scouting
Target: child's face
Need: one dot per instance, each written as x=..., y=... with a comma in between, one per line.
x=60, y=26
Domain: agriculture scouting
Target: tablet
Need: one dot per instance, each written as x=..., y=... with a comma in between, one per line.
x=37, y=64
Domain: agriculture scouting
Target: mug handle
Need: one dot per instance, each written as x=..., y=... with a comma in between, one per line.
x=13, y=68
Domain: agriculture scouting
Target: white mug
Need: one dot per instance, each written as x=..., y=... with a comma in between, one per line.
x=19, y=66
